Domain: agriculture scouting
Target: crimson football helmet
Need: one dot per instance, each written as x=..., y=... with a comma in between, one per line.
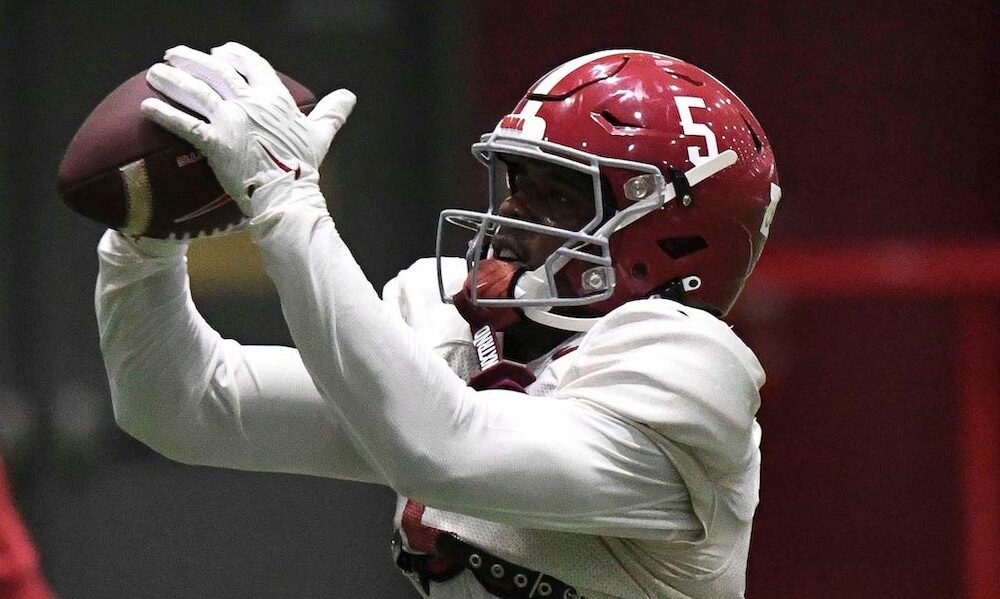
x=684, y=188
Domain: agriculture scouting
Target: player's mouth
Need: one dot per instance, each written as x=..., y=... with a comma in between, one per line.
x=507, y=256
x=506, y=251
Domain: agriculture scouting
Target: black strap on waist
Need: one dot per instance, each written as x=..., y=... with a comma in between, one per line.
x=498, y=576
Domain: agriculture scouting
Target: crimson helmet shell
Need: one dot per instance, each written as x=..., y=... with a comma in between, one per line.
x=684, y=179
x=625, y=105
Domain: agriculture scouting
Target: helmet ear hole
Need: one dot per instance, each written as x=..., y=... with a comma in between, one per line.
x=756, y=140
x=640, y=270
x=678, y=247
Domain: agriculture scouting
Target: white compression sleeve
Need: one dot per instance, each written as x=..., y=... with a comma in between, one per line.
x=197, y=398
x=532, y=461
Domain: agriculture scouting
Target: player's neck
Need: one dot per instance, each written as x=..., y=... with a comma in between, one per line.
x=527, y=340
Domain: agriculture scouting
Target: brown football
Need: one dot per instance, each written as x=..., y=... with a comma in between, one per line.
x=127, y=173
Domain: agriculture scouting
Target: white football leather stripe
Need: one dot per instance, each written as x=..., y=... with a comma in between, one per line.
x=139, y=211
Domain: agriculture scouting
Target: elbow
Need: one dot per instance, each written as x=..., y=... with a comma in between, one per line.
x=153, y=432
x=130, y=420
x=421, y=476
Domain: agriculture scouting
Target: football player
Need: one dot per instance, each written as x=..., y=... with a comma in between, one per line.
x=562, y=411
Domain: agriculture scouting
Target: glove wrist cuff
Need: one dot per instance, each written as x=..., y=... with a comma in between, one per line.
x=148, y=247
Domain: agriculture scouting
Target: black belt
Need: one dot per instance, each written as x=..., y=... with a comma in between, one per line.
x=498, y=576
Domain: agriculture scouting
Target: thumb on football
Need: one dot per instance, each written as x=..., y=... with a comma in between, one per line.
x=332, y=111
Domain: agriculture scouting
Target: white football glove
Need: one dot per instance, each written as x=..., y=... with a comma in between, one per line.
x=255, y=133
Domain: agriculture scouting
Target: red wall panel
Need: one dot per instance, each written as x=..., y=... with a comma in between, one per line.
x=884, y=121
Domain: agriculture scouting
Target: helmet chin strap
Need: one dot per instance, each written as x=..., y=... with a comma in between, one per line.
x=529, y=281
x=532, y=284
x=558, y=321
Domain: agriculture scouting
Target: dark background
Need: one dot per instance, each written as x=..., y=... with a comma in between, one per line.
x=884, y=120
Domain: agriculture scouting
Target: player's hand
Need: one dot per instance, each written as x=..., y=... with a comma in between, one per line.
x=254, y=132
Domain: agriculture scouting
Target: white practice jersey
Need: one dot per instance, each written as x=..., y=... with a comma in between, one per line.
x=629, y=469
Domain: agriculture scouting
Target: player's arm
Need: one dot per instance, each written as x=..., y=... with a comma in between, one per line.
x=179, y=387
x=495, y=454
x=569, y=461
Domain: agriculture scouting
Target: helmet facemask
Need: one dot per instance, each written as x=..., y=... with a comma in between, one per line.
x=546, y=287
x=549, y=286
x=577, y=240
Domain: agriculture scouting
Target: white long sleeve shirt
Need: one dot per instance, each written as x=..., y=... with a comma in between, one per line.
x=629, y=469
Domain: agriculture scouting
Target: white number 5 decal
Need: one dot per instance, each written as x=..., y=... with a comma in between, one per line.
x=684, y=106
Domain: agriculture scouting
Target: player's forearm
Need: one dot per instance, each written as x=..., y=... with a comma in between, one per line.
x=431, y=436
x=194, y=397
x=158, y=353
x=364, y=360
